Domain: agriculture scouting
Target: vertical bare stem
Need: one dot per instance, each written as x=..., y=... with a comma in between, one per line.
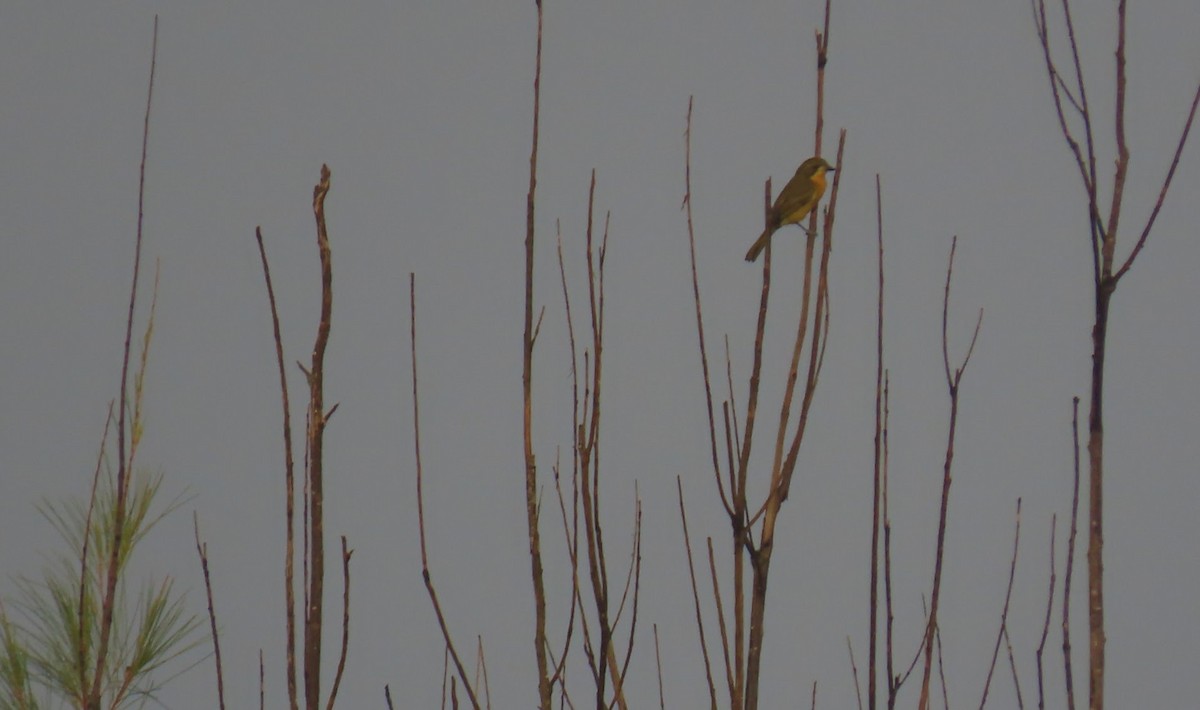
x=952, y=381
x=124, y=465
x=1068, y=673
x=889, y=652
x=783, y=469
x=341, y=666
x=531, y=493
x=687, y=542
x=853, y=674
x=289, y=474
x=316, y=438
x=1103, y=243
x=873, y=603
x=708, y=400
x=425, y=574
x=202, y=551
x=1003, y=632
x=82, y=638
x=1046, y=623
x=662, y=701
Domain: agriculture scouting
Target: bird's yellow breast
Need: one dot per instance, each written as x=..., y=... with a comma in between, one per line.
x=818, y=181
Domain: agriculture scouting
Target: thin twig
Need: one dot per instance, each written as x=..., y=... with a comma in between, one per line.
x=1046, y=623
x=662, y=702
x=289, y=482
x=81, y=641
x=202, y=551
x=893, y=682
x=1068, y=673
x=1003, y=631
x=341, y=666
x=853, y=674
x=531, y=489
x=687, y=206
x=952, y=382
x=1162, y=193
x=712, y=572
x=124, y=467
x=572, y=534
x=1012, y=666
x=481, y=667
x=873, y=594
x=941, y=669
x=315, y=604
x=918, y=653
x=425, y=574
x=820, y=335
x=687, y=543
x=636, y=564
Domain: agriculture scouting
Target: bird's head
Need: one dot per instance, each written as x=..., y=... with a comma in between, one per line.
x=814, y=167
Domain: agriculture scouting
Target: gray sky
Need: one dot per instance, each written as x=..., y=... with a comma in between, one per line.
x=422, y=111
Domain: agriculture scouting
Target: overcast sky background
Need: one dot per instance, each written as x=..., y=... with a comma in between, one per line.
x=422, y=111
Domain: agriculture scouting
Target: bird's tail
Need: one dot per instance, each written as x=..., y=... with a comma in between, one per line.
x=759, y=244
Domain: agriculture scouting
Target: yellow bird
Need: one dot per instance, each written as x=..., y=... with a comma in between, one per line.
x=798, y=198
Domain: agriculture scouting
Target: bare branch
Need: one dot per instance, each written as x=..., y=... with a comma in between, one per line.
x=1162, y=193
x=1046, y=623
x=481, y=667
x=425, y=574
x=124, y=471
x=81, y=640
x=734, y=690
x=341, y=666
x=873, y=592
x=953, y=383
x=531, y=503
x=1003, y=631
x=712, y=690
x=315, y=606
x=289, y=482
x=853, y=674
x=202, y=551
x=1068, y=674
x=662, y=702
x=687, y=205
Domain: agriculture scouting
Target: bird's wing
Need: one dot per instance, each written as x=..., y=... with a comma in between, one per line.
x=792, y=202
